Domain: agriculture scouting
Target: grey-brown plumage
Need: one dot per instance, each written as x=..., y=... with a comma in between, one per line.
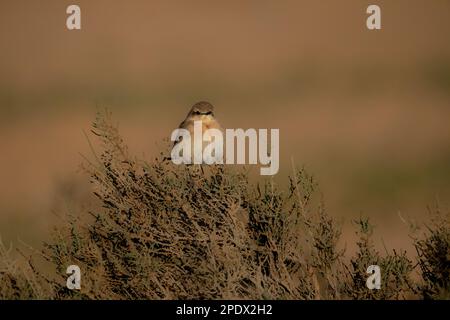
x=201, y=111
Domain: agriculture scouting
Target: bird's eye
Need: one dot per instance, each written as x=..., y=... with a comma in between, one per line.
x=209, y=113
x=196, y=112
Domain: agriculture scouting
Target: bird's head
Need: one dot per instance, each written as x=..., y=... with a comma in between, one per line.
x=201, y=111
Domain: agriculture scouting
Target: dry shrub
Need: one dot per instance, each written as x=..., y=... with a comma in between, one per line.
x=194, y=232
x=395, y=268
x=433, y=251
x=208, y=232
x=18, y=279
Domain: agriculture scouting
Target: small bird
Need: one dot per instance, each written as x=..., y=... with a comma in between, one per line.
x=201, y=111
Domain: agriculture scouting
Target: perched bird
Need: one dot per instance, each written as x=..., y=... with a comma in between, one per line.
x=201, y=111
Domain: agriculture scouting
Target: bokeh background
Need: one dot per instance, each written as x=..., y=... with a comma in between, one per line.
x=367, y=112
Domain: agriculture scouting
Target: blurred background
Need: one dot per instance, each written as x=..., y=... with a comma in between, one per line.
x=367, y=112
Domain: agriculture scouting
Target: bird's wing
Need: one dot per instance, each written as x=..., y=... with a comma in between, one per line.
x=186, y=124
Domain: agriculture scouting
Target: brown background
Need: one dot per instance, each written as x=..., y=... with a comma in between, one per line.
x=367, y=112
